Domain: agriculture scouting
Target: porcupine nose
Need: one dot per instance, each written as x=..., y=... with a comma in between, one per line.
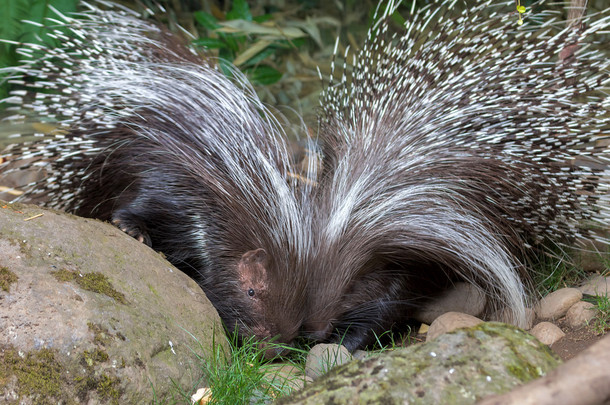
x=271, y=351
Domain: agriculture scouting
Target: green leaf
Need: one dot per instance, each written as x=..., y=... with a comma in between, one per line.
x=210, y=43
x=14, y=12
x=232, y=41
x=292, y=44
x=262, y=18
x=398, y=18
x=259, y=57
x=250, y=52
x=226, y=54
x=206, y=20
x=226, y=67
x=250, y=28
x=239, y=11
x=263, y=74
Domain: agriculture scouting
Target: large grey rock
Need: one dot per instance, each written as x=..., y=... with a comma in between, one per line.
x=90, y=315
x=461, y=367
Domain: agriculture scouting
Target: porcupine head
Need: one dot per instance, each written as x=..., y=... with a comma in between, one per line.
x=175, y=154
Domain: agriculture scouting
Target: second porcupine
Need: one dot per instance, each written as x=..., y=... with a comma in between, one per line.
x=453, y=151
x=152, y=137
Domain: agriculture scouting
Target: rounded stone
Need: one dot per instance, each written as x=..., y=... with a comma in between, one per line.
x=107, y=318
x=323, y=357
x=456, y=368
x=462, y=297
x=580, y=314
x=556, y=304
x=360, y=354
x=546, y=332
x=598, y=286
x=285, y=376
x=449, y=322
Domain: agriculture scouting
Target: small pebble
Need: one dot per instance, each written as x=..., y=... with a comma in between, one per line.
x=547, y=333
x=580, y=314
x=462, y=297
x=360, y=354
x=556, y=304
x=323, y=357
x=450, y=321
x=598, y=285
x=286, y=375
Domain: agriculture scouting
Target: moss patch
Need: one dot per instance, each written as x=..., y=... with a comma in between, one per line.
x=106, y=387
x=101, y=335
x=90, y=358
x=64, y=275
x=7, y=278
x=38, y=374
x=95, y=282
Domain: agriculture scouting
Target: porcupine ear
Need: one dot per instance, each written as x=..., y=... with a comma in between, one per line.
x=252, y=272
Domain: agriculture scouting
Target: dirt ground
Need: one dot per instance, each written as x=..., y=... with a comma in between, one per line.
x=574, y=342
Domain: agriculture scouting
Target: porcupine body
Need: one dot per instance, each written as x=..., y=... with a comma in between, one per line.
x=452, y=151
x=152, y=137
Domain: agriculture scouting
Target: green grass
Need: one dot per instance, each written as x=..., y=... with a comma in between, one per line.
x=601, y=323
x=555, y=270
x=243, y=375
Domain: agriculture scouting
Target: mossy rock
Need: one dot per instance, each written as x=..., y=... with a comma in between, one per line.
x=88, y=314
x=461, y=367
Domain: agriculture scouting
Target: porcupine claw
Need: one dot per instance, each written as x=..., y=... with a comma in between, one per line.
x=131, y=228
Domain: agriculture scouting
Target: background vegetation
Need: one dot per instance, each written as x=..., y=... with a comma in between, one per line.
x=278, y=44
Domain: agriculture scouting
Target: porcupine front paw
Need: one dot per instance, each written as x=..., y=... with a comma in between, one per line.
x=131, y=226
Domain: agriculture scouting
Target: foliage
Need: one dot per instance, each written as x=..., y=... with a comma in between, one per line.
x=601, y=323
x=247, y=41
x=243, y=375
x=555, y=270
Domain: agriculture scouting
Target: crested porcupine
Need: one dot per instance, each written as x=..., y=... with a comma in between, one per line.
x=453, y=151
x=427, y=174
x=151, y=136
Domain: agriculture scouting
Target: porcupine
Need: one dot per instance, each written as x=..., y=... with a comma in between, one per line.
x=152, y=137
x=454, y=151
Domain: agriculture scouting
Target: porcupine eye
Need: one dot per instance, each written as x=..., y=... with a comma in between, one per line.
x=251, y=292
